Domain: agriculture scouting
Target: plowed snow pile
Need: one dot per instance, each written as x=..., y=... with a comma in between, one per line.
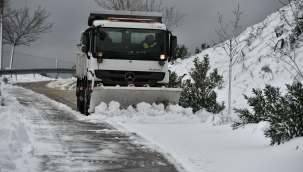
x=146, y=114
x=16, y=148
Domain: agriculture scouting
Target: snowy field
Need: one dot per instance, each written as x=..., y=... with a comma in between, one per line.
x=189, y=140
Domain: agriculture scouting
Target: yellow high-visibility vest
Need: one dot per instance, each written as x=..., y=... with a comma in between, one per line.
x=145, y=45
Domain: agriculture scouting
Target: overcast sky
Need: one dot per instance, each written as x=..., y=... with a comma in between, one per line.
x=70, y=18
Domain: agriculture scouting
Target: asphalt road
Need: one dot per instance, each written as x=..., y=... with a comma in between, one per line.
x=83, y=146
x=66, y=97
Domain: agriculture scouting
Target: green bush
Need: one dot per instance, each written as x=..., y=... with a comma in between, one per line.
x=174, y=80
x=182, y=52
x=204, y=46
x=200, y=93
x=197, y=50
x=284, y=113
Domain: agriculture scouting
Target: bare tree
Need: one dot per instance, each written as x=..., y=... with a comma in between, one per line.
x=19, y=28
x=5, y=11
x=285, y=50
x=230, y=44
x=5, y=7
x=172, y=17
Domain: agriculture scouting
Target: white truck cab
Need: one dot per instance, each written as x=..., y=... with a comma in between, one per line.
x=123, y=48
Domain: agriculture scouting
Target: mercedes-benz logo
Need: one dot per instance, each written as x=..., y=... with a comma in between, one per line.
x=130, y=77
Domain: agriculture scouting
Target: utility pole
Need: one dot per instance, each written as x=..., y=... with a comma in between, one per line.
x=1, y=34
x=57, y=68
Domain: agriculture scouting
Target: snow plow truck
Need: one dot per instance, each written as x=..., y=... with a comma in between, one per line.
x=123, y=56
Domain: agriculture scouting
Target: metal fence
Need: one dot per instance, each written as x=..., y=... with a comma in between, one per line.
x=36, y=71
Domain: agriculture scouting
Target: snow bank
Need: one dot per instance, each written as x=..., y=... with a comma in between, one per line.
x=16, y=149
x=27, y=78
x=145, y=113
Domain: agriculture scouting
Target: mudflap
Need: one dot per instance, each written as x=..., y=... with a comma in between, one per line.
x=128, y=96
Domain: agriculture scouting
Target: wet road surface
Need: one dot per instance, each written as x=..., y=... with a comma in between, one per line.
x=67, y=144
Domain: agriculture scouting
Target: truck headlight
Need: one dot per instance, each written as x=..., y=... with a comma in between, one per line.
x=163, y=57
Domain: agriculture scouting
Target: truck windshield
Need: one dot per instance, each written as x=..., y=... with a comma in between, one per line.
x=122, y=43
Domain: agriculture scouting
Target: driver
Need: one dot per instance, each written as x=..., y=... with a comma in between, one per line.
x=107, y=42
x=149, y=42
x=107, y=39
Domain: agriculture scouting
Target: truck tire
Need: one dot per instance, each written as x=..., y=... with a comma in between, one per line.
x=86, y=103
x=80, y=105
x=86, y=98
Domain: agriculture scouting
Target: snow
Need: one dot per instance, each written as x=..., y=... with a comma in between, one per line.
x=191, y=141
x=258, y=52
x=26, y=78
x=16, y=147
x=64, y=84
x=194, y=142
x=145, y=113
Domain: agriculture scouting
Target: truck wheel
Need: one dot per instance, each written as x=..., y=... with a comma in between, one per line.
x=80, y=106
x=86, y=102
x=86, y=96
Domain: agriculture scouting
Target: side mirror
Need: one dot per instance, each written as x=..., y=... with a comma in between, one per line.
x=173, y=47
x=85, y=42
x=84, y=49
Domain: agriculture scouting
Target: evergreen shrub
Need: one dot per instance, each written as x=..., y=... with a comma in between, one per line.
x=284, y=113
x=200, y=93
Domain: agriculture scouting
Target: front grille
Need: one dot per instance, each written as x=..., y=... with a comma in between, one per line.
x=113, y=78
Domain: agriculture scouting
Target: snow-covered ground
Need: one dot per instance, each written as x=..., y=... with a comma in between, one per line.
x=190, y=140
x=254, y=53
x=64, y=84
x=16, y=147
x=26, y=78
x=194, y=142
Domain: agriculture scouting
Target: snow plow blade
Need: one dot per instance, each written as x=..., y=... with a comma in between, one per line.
x=128, y=96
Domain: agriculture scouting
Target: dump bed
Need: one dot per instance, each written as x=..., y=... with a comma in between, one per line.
x=105, y=14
